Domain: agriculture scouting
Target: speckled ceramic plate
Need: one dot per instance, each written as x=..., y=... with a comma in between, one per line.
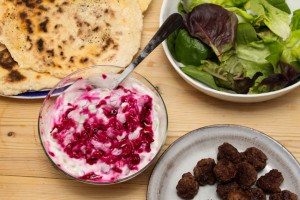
x=184, y=153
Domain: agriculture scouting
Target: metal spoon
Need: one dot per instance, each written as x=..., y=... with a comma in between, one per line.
x=172, y=23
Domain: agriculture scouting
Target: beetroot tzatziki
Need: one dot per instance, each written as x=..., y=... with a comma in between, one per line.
x=102, y=135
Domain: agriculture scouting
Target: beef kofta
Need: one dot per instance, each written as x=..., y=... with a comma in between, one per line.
x=204, y=173
x=246, y=174
x=223, y=189
x=187, y=186
x=256, y=194
x=228, y=152
x=271, y=181
x=238, y=195
x=255, y=157
x=283, y=195
x=225, y=171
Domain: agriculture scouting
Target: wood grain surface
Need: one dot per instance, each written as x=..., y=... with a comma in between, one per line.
x=26, y=173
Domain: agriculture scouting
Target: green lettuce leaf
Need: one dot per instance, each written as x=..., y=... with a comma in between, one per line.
x=291, y=52
x=200, y=75
x=281, y=5
x=188, y=5
x=276, y=20
x=245, y=34
x=295, y=22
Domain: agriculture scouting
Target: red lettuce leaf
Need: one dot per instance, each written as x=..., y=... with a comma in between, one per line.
x=288, y=76
x=213, y=25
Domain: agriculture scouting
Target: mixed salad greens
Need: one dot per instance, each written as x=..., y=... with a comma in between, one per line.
x=238, y=46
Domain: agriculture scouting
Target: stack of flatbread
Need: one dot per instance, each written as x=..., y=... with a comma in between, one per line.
x=42, y=41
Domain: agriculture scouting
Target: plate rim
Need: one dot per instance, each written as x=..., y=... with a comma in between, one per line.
x=240, y=127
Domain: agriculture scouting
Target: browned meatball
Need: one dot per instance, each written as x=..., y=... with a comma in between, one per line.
x=187, y=186
x=255, y=157
x=225, y=171
x=223, y=189
x=204, y=173
x=271, y=181
x=246, y=174
x=256, y=194
x=228, y=152
x=284, y=195
x=238, y=195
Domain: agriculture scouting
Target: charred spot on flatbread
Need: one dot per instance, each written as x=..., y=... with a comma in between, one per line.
x=6, y=61
x=40, y=44
x=43, y=25
x=15, y=76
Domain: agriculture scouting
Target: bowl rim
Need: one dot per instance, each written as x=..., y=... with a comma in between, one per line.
x=201, y=86
x=117, y=180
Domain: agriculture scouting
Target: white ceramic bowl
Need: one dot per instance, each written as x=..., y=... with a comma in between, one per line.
x=55, y=113
x=169, y=7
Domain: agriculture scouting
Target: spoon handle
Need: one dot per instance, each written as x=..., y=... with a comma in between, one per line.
x=172, y=23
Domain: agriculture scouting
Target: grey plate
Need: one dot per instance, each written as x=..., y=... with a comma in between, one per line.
x=184, y=153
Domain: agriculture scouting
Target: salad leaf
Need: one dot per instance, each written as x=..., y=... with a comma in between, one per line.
x=253, y=58
x=255, y=51
x=295, y=22
x=245, y=34
x=188, y=5
x=202, y=22
x=268, y=36
x=243, y=16
x=200, y=75
x=276, y=49
x=281, y=5
x=276, y=20
x=291, y=52
x=232, y=79
x=171, y=43
x=186, y=49
x=181, y=9
x=280, y=80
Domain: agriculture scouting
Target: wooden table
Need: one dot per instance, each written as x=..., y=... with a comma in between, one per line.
x=26, y=173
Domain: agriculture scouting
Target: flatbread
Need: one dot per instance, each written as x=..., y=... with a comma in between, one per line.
x=144, y=4
x=15, y=81
x=60, y=37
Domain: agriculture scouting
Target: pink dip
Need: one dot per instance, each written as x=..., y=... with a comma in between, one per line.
x=101, y=135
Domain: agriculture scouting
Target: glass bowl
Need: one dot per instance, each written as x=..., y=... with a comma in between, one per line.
x=98, y=136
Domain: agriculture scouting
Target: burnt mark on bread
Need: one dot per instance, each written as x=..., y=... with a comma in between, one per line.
x=15, y=76
x=41, y=7
x=23, y=15
x=83, y=60
x=57, y=26
x=29, y=25
x=38, y=77
x=71, y=59
x=43, y=25
x=109, y=12
x=29, y=43
x=50, y=52
x=40, y=44
x=109, y=42
x=96, y=29
x=60, y=10
x=29, y=3
x=6, y=61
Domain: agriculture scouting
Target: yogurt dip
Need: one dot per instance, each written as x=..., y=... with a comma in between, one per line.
x=102, y=135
